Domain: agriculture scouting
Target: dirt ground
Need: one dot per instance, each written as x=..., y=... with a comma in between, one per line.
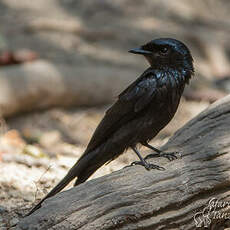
x=38, y=148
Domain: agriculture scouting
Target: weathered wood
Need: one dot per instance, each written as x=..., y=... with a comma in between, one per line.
x=42, y=84
x=133, y=198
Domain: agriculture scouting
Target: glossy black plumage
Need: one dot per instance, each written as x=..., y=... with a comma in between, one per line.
x=140, y=112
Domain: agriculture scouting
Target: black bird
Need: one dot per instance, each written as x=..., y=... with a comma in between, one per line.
x=140, y=112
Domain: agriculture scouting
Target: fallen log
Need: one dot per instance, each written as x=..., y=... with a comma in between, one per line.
x=181, y=197
x=42, y=84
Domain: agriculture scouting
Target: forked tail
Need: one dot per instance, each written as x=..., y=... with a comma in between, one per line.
x=83, y=169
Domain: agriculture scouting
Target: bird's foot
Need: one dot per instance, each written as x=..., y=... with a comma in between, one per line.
x=170, y=156
x=147, y=165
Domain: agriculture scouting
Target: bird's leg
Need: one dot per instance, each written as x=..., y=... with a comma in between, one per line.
x=144, y=163
x=170, y=156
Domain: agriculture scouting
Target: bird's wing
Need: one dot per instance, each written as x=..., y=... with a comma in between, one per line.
x=130, y=102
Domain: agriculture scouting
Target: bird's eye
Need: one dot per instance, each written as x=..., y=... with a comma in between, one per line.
x=164, y=50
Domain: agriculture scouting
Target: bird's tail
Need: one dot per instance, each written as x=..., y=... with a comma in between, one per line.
x=83, y=169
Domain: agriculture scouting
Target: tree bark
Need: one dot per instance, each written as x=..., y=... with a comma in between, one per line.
x=134, y=198
x=42, y=84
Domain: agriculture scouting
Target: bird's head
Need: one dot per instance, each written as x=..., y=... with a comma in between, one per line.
x=165, y=53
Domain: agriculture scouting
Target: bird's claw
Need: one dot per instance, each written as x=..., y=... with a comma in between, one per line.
x=170, y=156
x=147, y=165
x=135, y=163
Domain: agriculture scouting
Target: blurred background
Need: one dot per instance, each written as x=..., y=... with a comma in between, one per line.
x=63, y=62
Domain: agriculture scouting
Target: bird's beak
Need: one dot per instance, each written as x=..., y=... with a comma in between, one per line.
x=140, y=51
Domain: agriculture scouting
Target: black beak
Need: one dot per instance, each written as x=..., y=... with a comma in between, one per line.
x=140, y=51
